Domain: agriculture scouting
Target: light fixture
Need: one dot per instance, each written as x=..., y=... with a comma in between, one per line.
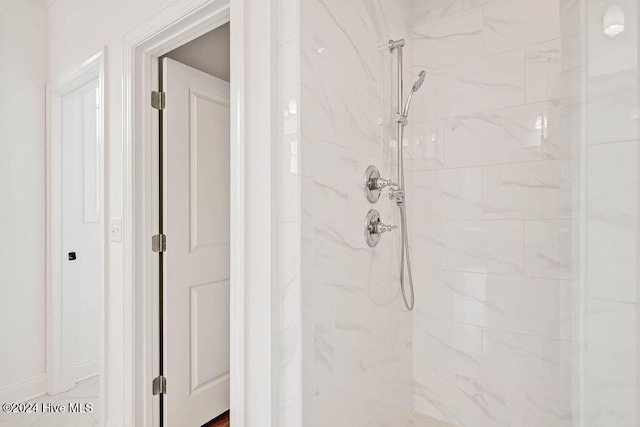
x=613, y=21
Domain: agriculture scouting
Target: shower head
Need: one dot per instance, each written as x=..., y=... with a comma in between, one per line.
x=419, y=81
x=416, y=85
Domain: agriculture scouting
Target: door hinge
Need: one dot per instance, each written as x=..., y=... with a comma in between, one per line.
x=159, y=385
x=158, y=100
x=159, y=243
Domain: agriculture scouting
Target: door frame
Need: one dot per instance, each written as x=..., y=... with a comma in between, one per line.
x=72, y=80
x=252, y=138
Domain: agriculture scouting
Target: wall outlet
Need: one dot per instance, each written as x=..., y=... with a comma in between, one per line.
x=115, y=230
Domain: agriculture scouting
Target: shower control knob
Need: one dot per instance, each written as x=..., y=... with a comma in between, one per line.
x=383, y=228
x=374, y=228
x=380, y=183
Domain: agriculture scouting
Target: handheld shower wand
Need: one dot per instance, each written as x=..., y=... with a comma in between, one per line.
x=398, y=193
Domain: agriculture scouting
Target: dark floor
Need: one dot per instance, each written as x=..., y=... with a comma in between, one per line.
x=221, y=421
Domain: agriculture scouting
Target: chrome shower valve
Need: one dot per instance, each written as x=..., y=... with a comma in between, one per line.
x=374, y=228
x=380, y=228
x=380, y=183
x=373, y=184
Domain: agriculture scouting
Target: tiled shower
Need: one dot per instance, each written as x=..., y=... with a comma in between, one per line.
x=522, y=181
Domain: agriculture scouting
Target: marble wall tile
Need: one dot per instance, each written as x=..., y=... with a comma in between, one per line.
x=483, y=246
x=426, y=146
x=509, y=135
x=547, y=411
x=522, y=190
x=324, y=350
x=491, y=83
x=547, y=248
x=467, y=4
x=464, y=401
x=610, y=384
x=431, y=10
x=612, y=107
x=449, y=193
x=288, y=18
x=451, y=295
x=540, y=307
x=513, y=24
x=543, y=70
x=344, y=264
x=613, y=187
x=448, y=346
x=362, y=325
x=337, y=191
x=448, y=41
x=517, y=364
x=612, y=332
x=610, y=260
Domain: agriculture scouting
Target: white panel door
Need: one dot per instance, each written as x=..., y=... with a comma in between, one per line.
x=196, y=263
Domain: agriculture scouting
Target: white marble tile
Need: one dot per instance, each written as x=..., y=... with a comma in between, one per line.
x=487, y=84
x=533, y=306
x=512, y=24
x=493, y=246
x=347, y=103
x=431, y=10
x=288, y=13
x=448, y=41
x=448, y=193
x=613, y=185
x=467, y=4
x=522, y=190
x=611, y=260
x=509, y=135
x=611, y=335
x=420, y=420
x=362, y=325
x=344, y=264
x=520, y=364
x=337, y=191
x=427, y=145
x=324, y=349
x=543, y=411
x=548, y=248
x=447, y=346
x=610, y=384
x=464, y=401
x=612, y=107
x=543, y=70
x=396, y=408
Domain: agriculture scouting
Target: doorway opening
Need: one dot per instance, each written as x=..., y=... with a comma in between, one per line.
x=194, y=220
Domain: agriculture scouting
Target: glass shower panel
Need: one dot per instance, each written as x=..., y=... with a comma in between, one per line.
x=599, y=138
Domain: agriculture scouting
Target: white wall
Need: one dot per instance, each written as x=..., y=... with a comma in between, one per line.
x=23, y=73
x=77, y=30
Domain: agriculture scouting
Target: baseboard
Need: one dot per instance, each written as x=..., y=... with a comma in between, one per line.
x=87, y=369
x=25, y=390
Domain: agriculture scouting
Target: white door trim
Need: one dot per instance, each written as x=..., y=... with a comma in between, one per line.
x=252, y=113
x=73, y=79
